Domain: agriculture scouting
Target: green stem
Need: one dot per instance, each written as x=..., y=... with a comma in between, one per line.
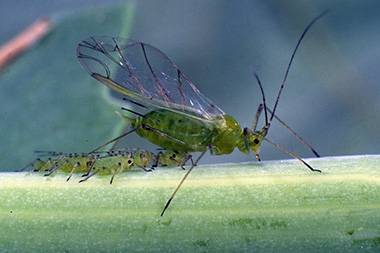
x=276, y=206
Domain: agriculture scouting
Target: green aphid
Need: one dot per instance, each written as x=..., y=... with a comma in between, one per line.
x=89, y=164
x=110, y=165
x=40, y=165
x=50, y=162
x=176, y=116
x=172, y=159
x=115, y=162
x=143, y=159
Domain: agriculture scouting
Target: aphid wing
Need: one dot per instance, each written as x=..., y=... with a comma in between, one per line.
x=143, y=74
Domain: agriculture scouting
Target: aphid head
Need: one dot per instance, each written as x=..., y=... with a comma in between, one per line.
x=252, y=140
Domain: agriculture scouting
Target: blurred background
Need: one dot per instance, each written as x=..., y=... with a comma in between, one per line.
x=332, y=97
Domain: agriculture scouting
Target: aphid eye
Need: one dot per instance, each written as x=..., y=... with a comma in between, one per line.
x=119, y=163
x=173, y=155
x=256, y=141
x=129, y=161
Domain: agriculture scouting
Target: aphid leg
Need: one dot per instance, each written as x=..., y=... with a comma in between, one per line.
x=185, y=160
x=116, y=171
x=258, y=158
x=132, y=111
x=113, y=140
x=90, y=165
x=181, y=182
x=89, y=175
x=211, y=149
x=134, y=102
x=145, y=169
x=76, y=165
x=156, y=161
x=53, y=169
x=282, y=149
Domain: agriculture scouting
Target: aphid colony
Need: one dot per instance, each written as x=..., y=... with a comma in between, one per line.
x=103, y=163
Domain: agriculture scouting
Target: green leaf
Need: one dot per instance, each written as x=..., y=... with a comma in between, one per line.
x=48, y=101
x=275, y=206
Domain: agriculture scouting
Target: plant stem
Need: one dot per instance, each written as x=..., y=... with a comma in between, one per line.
x=276, y=206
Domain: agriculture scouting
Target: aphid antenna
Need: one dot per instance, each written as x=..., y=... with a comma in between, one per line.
x=257, y=117
x=267, y=124
x=292, y=58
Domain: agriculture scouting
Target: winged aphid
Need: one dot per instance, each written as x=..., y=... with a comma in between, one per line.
x=175, y=115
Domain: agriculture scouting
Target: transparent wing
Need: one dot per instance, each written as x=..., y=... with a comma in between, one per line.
x=144, y=74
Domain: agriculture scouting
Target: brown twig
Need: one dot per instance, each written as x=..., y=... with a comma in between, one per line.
x=13, y=48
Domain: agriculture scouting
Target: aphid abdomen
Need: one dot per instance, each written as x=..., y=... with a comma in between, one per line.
x=174, y=131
